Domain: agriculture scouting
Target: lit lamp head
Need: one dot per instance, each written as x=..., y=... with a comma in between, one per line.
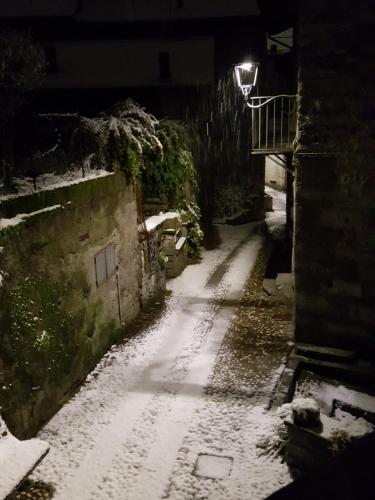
x=246, y=76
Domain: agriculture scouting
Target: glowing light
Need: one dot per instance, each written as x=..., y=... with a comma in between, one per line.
x=246, y=66
x=246, y=76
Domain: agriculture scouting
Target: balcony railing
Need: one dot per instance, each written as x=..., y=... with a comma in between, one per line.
x=273, y=124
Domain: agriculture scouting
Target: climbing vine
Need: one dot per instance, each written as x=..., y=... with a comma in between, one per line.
x=159, y=154
x=172, y=173
x=191, y=217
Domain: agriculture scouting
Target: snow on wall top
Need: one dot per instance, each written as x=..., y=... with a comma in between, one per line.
x=155, y=221
x=18, y=219
x=49, y=182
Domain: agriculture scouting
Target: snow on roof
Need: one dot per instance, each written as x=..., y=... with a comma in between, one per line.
x=19, y=218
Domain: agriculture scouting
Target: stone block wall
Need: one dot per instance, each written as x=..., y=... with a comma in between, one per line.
x=174, y=247
x=161, y=256
x=152, y=269
x=334, y=251
x=55, y=320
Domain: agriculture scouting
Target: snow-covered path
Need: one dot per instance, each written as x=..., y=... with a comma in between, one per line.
x=276, y=219
x=279, y=198
x=136, y=428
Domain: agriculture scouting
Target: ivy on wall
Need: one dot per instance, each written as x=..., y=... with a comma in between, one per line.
x=173, y=172
x=156, y=153
x=127, y=138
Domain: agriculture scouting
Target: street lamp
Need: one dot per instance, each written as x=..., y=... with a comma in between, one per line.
x=246, y=77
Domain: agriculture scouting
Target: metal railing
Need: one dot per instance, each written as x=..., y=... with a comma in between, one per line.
x=274, y=120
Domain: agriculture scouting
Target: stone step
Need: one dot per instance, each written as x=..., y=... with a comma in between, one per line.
x=353, y=371
x=325, y=351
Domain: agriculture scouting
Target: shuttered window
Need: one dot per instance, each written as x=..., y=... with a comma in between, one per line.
x=105, y=264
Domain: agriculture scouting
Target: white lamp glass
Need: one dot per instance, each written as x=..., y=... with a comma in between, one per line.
x=246, y=76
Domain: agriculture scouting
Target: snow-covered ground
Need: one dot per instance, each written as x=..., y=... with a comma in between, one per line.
x=278, y=198
x=326, y=391
x=17, y=458
x=277, y=218
x=143, y=426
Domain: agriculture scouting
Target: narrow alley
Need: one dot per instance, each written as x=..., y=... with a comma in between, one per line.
x=166, y=414
x=187, y=278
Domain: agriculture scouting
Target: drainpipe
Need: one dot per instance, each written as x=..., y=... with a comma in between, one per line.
x=118, y=296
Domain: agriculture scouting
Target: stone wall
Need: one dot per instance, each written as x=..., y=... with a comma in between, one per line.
x=275, y=175
x=335, y=182
x=55, y=320
x=163, y=250
x=152, y=269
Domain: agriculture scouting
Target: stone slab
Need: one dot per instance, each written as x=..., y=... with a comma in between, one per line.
x=325, y=351
x=18, y=459
x=213, y=466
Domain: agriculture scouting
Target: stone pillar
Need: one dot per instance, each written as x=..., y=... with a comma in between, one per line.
x=289, y=188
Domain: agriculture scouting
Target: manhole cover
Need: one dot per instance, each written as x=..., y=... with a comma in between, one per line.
x=212, y=466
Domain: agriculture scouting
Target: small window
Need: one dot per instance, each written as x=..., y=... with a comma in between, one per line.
x=105, y=264
x=164, y=66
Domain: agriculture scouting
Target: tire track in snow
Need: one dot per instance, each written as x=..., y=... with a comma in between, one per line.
x=162, y=395
x=172, y=430
x=152, y=393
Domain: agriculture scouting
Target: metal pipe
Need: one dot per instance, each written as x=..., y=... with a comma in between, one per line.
x=271, y=96
x=267, y=101
x=267, y=127
x=252, y=128
x=260, y=123
x=118, y=298
x=274, y=124
x=288, y=121
x=281, y=124
x=277, y=40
